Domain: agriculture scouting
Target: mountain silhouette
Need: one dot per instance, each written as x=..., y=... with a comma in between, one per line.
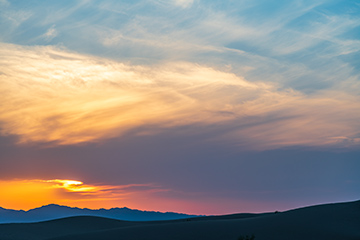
x=53, y=211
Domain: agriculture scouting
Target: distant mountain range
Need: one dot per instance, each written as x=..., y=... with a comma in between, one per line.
x=54, y=211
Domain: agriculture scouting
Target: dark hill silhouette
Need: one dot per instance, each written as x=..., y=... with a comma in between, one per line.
x=53, y=211
x=340, y=221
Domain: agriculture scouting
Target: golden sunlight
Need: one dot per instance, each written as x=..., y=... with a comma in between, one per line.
x=28, y=194
x=73, y=186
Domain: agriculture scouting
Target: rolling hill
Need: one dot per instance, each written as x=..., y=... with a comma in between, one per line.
x=338, y=221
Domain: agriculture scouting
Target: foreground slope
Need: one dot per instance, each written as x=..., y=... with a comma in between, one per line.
x=322, y=222
x=59, y=227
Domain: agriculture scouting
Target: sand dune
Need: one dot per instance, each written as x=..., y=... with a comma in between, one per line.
x=340, y=221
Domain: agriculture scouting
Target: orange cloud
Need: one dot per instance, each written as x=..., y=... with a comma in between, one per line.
x=72, y=185
x=55, y=96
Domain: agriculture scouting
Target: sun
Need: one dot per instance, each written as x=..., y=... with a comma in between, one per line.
x=72, y=185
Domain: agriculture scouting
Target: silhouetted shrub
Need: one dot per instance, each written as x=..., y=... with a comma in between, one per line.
x=246, y=237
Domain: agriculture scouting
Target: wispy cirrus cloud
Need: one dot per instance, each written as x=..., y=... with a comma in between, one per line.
x=52, y=95
x=269, y=52
x=50, y=33
x=184, y=3
x=274, y=39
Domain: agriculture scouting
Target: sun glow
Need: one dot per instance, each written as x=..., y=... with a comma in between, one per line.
x=72, y=185
x=27, y=194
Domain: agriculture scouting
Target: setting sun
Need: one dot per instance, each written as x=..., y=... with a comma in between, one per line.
x=26, y=194
x=72, y=185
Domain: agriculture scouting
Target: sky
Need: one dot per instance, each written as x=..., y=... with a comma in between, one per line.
x=192, y=106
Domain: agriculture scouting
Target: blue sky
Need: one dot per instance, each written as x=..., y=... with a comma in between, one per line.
x=248, y=105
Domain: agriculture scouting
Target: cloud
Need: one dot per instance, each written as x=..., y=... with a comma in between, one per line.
x=301, y=45
x=96, y=98
x=71, y=185
x=50, y=33
x=183, y=3
x=15, y=18
x=55, y=96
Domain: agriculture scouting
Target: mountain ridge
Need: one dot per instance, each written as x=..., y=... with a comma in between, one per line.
x=55, y=211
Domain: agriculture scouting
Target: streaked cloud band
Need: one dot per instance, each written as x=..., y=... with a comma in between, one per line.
x=52, y=95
